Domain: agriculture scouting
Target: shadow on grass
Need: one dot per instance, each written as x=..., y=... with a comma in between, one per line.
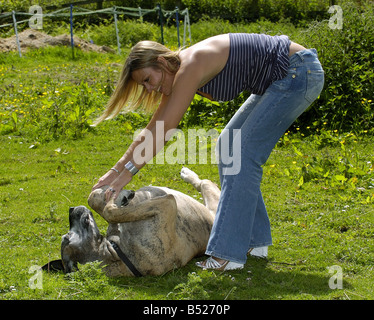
x=259, y=280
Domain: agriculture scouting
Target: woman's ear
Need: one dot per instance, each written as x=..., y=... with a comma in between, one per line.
x=163, y=61
x=165, y=65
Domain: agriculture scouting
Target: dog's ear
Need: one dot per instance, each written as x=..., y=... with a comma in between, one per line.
x=54, y=266
x=69, y=265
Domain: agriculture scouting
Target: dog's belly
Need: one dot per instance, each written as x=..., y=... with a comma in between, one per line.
x=194, y=221
x=156, y=243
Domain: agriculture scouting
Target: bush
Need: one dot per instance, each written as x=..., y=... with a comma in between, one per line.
x=207, y=27
x=252, y=10
x=232, y=10
x=64, y=112
x=130, y=33
x=51, y=108
x=347, y=56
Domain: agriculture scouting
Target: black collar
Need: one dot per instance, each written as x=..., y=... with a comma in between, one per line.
x=125, y=260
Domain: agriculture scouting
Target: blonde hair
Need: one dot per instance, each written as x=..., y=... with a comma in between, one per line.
x=128, y=94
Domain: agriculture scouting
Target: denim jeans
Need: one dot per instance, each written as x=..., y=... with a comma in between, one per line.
x=241, y=220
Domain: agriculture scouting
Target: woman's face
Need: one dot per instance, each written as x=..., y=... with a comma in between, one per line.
x=154, y=79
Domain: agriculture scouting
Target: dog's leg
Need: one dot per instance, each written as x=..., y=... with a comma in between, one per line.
x=210, y=193
x=209, y=190
x=145, y=210
x=191, y=177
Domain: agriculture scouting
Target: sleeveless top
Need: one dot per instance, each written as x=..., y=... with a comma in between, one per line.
x=255, y=61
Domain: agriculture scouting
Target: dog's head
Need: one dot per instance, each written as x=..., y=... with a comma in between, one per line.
x=80, y=244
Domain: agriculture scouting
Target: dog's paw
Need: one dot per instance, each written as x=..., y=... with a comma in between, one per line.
x=189, y=176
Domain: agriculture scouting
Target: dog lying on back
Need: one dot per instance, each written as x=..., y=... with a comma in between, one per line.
x=150, y=231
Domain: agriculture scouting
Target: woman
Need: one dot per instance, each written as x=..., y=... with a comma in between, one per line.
x=284, y=79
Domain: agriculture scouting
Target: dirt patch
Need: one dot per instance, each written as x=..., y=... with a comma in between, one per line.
x=31, y=38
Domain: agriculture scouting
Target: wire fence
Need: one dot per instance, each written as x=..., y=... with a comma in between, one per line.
x=36, y=16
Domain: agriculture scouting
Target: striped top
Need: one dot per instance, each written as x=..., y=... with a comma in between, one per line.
x=254, y=62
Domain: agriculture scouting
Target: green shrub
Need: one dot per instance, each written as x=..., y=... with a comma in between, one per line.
x=232, y=10
x=130, y=32
x=252, y=10
x=208, y=27
x=65, y=112
x=55, y=110
x=347, y=56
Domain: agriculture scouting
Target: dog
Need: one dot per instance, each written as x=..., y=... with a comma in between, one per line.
x=150, y=232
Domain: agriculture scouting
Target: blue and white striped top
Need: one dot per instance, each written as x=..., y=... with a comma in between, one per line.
x=255, y=61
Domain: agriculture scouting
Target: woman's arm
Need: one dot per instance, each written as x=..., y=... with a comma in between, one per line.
x=149, y=142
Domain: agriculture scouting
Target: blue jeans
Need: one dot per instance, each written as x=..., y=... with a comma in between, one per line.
x=242, y=221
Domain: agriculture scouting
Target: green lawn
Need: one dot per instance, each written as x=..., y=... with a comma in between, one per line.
x=318, y=187
x=315, y=226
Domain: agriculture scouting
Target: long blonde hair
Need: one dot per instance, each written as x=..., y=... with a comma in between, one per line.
x=128, y=94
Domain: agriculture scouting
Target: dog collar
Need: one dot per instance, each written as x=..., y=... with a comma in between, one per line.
x=125, y=260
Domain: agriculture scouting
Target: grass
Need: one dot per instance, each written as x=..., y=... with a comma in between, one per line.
x=318, y=187
x=314, y=227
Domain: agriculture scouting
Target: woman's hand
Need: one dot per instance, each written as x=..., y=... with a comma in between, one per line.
x=117, y=185
x=115, y=181
x=106, y=179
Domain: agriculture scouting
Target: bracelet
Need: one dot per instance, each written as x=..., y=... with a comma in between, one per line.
x=130, y=166
x=114, y=169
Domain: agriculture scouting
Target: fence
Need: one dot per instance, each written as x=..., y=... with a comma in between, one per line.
x=72, y=11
